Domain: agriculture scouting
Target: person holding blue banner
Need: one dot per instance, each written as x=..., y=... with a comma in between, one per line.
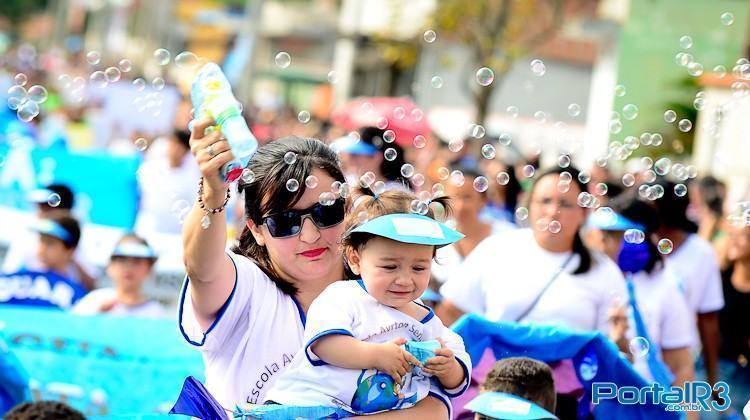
x=47, y=284
x=359, y=333
x=131, y=264
x=661, y=328
x=246, y=309
x=541, y=275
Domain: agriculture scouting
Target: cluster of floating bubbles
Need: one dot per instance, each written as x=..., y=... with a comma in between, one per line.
x=25, y=102
x=739, y=216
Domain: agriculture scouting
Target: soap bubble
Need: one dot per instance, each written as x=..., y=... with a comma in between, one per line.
x=283, y=59
x=158, y=83
x=27, y=111
x=695, y=69
x=456, y=145
x=615, y=126
x=54, y=200
x=628, y=180
x=574, y=110
x=139, y=84
x=504, y=139
x=407, y=170
x=443, y=173
x=399, y=113
x=638, y=347
x=481, y=184
x=620, y=91
x=502, y=178
x=327, y=198
x=98, y=79
x=162, y=56
x=333, y=77
x=563, y=161
x=93, y=57
x=20, y=79
x=125, y=65
x=292, y=185
x=488, y=151
x=457, y=178
x=311, y=181
x=630, y=112
x=113, y=74
x=437, y=82
x=665, y=246
x=634, y=236
x=64, y=80
x=601, y=189
x=141, y=144
x=418, y=207
x=727, y=18
x=417, y=180
x=389, y=136
x=303, y=117
x=585, y=199
x=512, y=111
x=538, y=67
x=699, y=104
x=419, y=141
x=661, y=166
x=37, y=94
x=522, y=213
x=554, y=226
x=686, y=42
x=528, y=171
x=680, y=190
x=685, y=125
x=670, y=116
x=290, y=158
x=17, y=95
x=584, y=177
x=720, y=71
x=417, y=114
x=390, y=154
x=186, y=60
x=477, y=131
x=430, y=36
x=248, y=176
x=485, y=76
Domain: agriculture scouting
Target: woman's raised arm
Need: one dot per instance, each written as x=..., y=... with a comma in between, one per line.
x=209, y=268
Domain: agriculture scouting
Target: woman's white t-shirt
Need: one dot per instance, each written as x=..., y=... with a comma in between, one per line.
x=665, y=313
x=253, y=339
x=505, y=273
x=697, y=270
x=346, y=308
x=95, y=300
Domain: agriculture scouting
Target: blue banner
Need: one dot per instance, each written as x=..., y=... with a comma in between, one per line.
x=102, y=365
x=36, y=288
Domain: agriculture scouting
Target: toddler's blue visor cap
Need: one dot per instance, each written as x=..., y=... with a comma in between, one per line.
x=500, y=405
x=54, y=229
x=410, y=229
x=134, y=250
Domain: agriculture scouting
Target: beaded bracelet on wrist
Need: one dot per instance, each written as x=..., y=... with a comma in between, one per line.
x=203, y=205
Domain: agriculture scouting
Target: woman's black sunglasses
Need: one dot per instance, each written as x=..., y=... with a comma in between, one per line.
x=289, y=223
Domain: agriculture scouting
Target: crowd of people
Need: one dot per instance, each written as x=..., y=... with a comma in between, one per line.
x=425, y=235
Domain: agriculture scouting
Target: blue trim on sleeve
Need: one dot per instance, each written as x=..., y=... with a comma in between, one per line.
x=427, y=317
x=444, y=400
x=302, y=315
x=317, y=337
x=223, y=309
x=462, y=388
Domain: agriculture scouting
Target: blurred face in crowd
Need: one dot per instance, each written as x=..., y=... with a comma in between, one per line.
x=176, y=152
x=394, y=273
x=738, y=245
x=313, y=253
x=466, y=202
x=53, y=253
x=549, y=203
x=359, y=164
x=607, y=241
x=129, y=273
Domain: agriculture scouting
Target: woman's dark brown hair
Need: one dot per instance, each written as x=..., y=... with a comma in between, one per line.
x=267, y=193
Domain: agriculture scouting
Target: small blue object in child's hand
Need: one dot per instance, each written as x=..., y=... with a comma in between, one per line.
x=422, y=350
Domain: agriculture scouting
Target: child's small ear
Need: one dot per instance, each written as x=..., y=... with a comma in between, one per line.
x=352, y=258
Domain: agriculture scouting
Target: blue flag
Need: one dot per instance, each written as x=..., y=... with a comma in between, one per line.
x=596, y=359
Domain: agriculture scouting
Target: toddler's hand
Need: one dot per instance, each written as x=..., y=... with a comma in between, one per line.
x=443, y=365
x=392, y=359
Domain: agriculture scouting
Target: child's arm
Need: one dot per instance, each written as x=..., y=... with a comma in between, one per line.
x=445, y=367
x=347, y=352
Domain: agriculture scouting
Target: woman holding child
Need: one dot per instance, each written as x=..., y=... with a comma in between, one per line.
x=246, y=310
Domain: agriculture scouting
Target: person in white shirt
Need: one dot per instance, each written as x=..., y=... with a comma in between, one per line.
x=167, y=180
x=541, y=275
x=131, y=264
x=354, y=356
x=694, y=262
x=628, y=238
x=246, y=310
x=467, y=204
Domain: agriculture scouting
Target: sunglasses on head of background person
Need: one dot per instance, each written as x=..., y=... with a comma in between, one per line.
x=289, y=223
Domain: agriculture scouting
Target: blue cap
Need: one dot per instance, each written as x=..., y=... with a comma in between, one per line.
x=612, y=221
x=500, y=405
x=410, y=229
x=51, y=228
x=134, y=250
x=354, y=146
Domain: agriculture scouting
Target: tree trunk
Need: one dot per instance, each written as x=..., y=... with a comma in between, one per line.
x=482, y=102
